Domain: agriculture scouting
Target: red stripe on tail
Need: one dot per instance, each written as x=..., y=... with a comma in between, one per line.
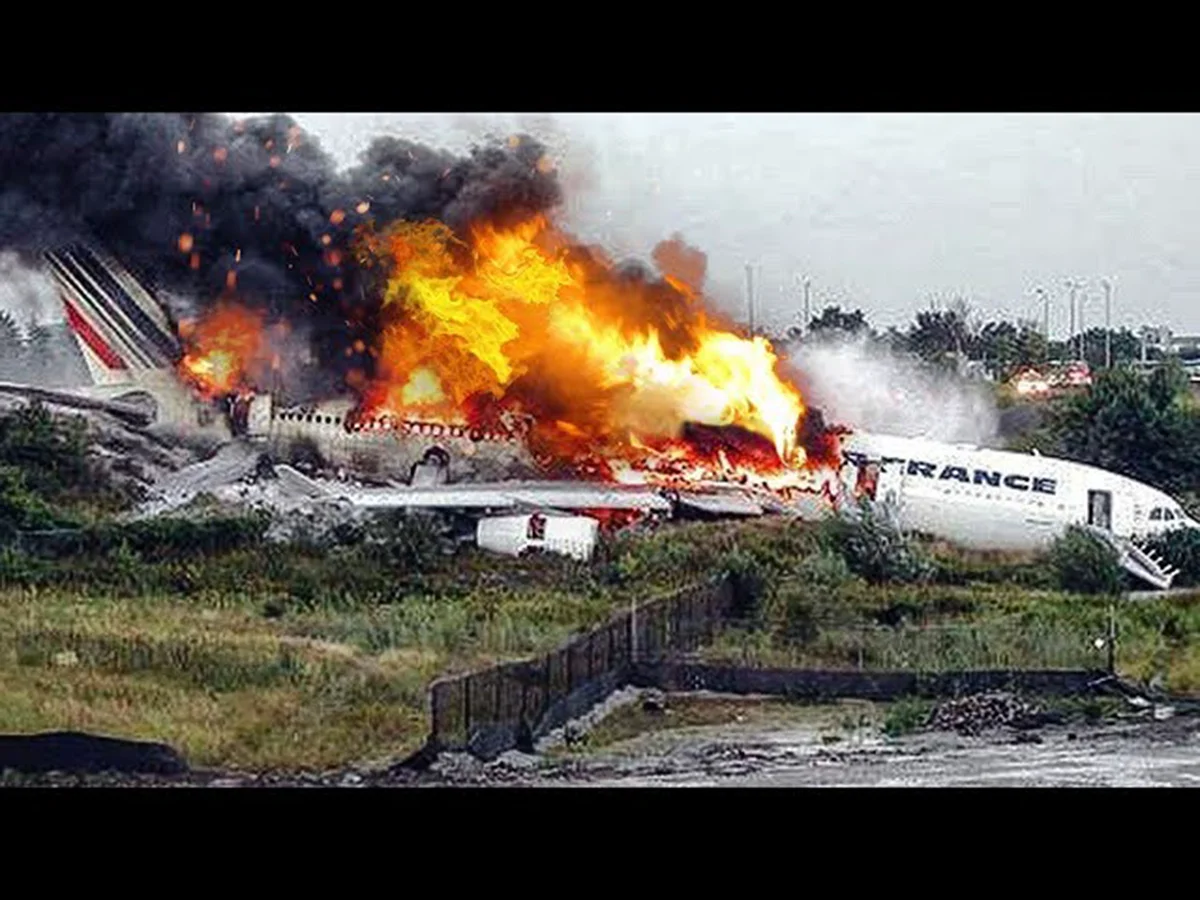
x=106, y=353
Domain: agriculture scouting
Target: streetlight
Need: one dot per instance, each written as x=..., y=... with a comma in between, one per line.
x=1107, y=322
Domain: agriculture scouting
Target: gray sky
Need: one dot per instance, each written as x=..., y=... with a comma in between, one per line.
x=881, y=211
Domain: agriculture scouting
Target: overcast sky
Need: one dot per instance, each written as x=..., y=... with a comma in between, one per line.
x=882, y=212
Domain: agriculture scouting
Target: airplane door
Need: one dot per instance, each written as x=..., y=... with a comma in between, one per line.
x=1100, y=509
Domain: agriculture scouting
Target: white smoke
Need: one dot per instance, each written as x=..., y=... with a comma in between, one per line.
x=862, y=385
x=27, y=294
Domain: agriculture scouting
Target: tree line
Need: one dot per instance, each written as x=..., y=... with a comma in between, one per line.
x=1002, y=346
x=37, y=355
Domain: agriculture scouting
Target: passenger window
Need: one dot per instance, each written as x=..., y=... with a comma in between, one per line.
x=1156, y=514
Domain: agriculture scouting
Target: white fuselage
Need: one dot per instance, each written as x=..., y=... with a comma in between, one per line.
x=1001, y=500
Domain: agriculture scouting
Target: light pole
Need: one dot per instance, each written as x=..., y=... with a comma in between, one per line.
x=1072, y=287
x=1082, y=351
x=807, y=308
x=1107, y=323
x=750, y=297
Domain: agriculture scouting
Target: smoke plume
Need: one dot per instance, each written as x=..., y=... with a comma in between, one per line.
x=202, y=207
x=861, y=385
x=27, y=294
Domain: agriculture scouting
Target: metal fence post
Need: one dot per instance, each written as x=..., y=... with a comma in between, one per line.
x=633, y=642
x=1112, y=638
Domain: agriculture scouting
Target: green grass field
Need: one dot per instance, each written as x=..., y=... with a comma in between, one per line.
x=285, y=657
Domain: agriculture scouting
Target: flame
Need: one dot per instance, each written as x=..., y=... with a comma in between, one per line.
x=517, y=330
x=223, y=348
x=616, y=373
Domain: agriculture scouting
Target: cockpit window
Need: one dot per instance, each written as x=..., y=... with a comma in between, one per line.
x=1156, y=514
x=1168, y=514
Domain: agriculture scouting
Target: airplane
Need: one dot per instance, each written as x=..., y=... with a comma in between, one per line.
x=131, y=353
x=1002, y=500
x=976, y=497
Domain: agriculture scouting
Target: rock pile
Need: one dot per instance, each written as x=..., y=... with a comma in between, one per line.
x=981, y=712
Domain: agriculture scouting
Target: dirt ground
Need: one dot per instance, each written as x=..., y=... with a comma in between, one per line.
x=770, y=744
x=712, y=741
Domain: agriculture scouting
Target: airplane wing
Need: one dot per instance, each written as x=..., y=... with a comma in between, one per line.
x=485, y=496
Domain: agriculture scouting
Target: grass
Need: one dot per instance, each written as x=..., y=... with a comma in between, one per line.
x=907, y=715
x=294, y=657
x=683, y=713
x=940, y=627
x=255, y=655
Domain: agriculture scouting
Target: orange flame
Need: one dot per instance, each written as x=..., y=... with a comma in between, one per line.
x=610, y=368
x=223, y=348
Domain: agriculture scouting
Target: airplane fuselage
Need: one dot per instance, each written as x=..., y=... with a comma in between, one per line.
x=1001, y=500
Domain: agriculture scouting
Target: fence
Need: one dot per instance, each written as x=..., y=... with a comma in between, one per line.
x=998, y=645
x=513, y=704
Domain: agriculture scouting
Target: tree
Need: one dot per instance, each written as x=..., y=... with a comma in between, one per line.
x=12, y=346
x=1124, y=344
x=1133, y=424
x=937, y=333
x=39, y=355
x=832, y=319
x=1005, y=346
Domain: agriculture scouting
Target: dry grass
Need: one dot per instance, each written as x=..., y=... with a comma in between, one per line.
x=231, y=688
x=686, y=713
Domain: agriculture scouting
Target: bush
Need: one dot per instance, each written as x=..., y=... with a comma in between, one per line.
x=825, y=569
x=20, y=509
x=749, y=586
x=875, y=549
x=1085, y=564
x=51, y=453
x=1180, y=548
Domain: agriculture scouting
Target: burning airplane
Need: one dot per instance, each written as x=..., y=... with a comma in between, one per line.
x=444, y=333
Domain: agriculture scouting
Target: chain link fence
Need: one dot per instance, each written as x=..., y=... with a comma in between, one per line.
x=513, y=704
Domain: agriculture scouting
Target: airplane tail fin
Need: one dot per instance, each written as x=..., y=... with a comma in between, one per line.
x=123, y=332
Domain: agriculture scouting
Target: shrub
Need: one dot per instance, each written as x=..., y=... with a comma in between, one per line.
x=52, y=455
x=1085, y=564
x=20, y=509
x=906, y=715
x=875, y=549
x=749, y=586
x=825, y=569
x=407, y=544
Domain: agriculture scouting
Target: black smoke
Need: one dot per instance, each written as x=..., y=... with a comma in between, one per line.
x=259, y=199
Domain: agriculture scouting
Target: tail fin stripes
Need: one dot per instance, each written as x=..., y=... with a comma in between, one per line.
x=159, y=344
x=120, y=327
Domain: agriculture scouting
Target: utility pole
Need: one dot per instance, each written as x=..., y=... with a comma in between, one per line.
x=1107, y=323
x=1071, y=328
x=807, y=308
x=1082, y=353
x=750, y=296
